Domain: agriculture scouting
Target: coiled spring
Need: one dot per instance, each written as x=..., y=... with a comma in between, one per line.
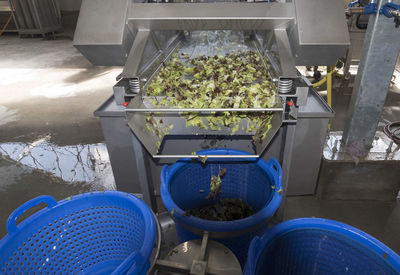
x=285, y=85
x=134, y=85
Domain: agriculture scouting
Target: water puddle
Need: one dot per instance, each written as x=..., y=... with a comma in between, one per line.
x=382, y=148
x=73, y=163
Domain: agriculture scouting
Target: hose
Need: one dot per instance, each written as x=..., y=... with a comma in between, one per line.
x=329, y=86
x=392, y=130
x=328, y=79
x=9, y=18
x=320, y=83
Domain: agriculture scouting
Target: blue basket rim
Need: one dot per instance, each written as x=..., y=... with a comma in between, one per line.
x=149, y=238
x=218, y=226
x=318, y=223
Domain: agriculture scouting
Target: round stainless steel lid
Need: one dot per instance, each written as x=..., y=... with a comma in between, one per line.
x=218, y=259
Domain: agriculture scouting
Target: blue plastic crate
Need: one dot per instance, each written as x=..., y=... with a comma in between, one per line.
x=93, y=233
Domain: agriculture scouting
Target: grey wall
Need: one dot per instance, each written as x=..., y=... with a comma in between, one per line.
x=70, y=5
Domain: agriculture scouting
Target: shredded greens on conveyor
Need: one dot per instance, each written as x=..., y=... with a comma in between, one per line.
x=235, y=80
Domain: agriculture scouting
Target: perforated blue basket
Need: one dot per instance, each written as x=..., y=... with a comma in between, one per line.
x=186, y=184
x=319, y=246
x=93, y=233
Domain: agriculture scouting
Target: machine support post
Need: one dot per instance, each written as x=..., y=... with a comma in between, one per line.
x=144, y=175
x=379, y=56
x=286, y=159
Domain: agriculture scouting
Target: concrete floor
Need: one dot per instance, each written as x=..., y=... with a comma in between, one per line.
x=50, y=142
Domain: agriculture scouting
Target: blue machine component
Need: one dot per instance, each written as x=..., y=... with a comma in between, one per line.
x=352, y=4
x=390, y=10
x=387, y=8
x=371, y=8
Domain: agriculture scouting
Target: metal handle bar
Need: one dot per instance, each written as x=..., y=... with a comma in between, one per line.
x=206, y=156
x=205, y=110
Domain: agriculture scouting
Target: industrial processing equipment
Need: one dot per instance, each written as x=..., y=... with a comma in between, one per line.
x=145, y=37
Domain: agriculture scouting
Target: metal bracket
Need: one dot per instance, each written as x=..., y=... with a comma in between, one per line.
x=288, y=68
x=134, y=60
x=136, y=54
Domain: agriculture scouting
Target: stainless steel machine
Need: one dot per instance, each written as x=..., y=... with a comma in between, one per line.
x=143, y=36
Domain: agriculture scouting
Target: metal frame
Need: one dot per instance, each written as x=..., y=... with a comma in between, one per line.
x=136, y=122
x=202, y=110
x=6, y=8
x=37, y=16
x=210, y=16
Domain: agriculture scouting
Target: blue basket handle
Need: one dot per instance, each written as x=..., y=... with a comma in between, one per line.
x=276, y=167
x=12, y=219
x=164, y=171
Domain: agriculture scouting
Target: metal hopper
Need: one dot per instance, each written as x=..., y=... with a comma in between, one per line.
x=171, y=136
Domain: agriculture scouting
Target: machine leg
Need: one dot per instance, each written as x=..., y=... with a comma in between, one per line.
x=286, y=159
x=144, y=174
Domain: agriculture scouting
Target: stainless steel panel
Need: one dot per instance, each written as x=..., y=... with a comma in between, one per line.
x=101, y=35
x=143, y=177
x=210, y=16
x=321, y=22
x=317, y=31
x=118, y=139
x=311, y=130
x=318, y=55
x=321, y=35
x=165, y=38
x=306, y=159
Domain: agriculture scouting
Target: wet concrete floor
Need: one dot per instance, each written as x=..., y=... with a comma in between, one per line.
x=50, y=142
